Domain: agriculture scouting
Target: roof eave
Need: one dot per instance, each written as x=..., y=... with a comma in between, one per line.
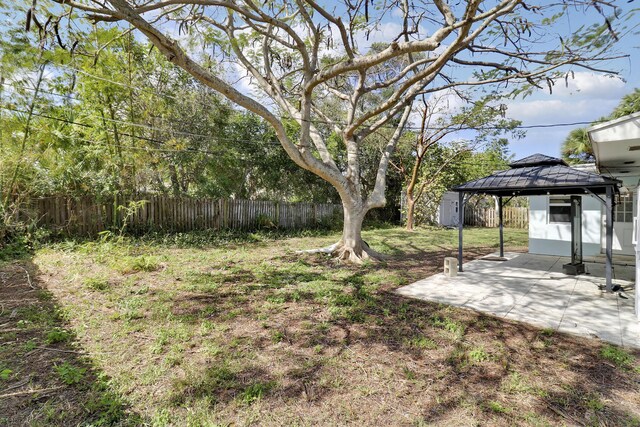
x=604, y=125
x=542, y=190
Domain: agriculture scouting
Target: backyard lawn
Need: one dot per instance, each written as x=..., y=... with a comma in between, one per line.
x=195, y=330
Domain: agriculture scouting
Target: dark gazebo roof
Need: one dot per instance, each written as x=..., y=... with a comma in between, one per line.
x=537, y=160
x=539, y=174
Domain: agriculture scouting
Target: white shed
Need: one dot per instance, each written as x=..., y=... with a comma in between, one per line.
x=448, y=210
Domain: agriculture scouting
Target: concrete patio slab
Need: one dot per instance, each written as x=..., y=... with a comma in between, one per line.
x=532, y=288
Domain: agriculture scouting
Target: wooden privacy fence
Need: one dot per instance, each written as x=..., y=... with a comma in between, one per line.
x=488, y=217
x=89, y=215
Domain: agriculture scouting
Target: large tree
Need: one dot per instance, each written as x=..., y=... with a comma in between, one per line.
x=301, y=54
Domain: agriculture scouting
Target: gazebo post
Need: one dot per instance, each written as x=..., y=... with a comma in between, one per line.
x=609, y=237
x=501, y=228
x=460, y=226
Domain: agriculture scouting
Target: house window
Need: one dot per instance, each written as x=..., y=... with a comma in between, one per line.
x=559, y=209
x=623, y=210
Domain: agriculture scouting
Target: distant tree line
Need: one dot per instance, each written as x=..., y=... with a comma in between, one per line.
x=121, y=120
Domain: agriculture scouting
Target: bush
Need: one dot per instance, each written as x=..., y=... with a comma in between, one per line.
x=265, y=222
x=18, y=242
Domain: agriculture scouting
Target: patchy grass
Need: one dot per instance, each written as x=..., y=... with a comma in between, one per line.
x=478, y=355
x=69, y=374
x=57, y=335
x=134, y=264
x=96, y=283
x=498, y=407
x=618, y=356
x=45, y=379
x=188, y=330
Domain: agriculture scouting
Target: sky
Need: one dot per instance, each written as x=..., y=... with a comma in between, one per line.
x=588, y=97
x=585, y=97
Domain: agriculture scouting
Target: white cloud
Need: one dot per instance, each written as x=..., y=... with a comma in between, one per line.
x=382, y=33
x=560, y=111
x=590, y=85
x=240, y=79
x=363, y=39
x=586, y=98
x=441, y=104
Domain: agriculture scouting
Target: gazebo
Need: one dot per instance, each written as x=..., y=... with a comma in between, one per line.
x=538, y=175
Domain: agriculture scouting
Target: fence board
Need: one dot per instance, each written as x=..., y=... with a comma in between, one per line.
x=513, y=217
x=90, y=215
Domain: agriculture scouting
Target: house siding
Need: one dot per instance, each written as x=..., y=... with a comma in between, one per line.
x=555, y=239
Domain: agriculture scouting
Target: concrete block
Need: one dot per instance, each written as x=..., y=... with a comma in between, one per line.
x=451, y=266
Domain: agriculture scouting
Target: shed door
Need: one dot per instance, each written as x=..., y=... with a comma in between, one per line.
x=454, y=212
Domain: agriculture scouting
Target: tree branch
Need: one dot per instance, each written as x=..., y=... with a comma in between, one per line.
x=377, y=198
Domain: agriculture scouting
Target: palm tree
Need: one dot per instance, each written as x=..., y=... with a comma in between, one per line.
x=629, y=104
x=577, y=148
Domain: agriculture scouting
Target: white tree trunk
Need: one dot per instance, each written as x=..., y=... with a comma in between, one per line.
x=352, y=229
x=351, y=248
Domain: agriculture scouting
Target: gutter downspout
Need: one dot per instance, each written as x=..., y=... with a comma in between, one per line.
x=636, y=234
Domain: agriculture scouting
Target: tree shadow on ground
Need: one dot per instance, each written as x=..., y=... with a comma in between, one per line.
x=45, y=376
x=232, y=291
x=356, y=352
x=441, y=365
x=471, y=359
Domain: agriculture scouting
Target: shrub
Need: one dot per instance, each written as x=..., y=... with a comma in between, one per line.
x=265, y=222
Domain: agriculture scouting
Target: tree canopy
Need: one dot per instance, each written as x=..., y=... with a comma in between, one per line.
x=312, y=64
x=132, y=123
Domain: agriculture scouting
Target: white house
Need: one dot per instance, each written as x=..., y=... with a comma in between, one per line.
x=550, y=227
x=616, y=145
